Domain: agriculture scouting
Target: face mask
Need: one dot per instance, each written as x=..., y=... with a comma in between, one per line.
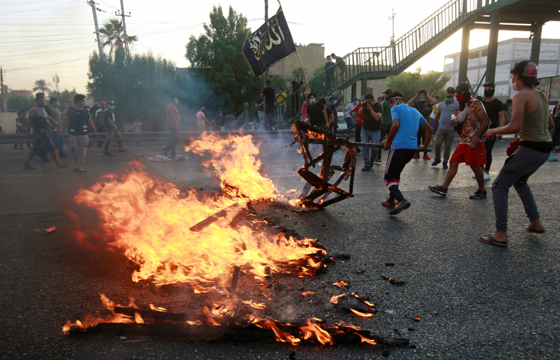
x=460, y=98
x=84, y=104
x=298, y=80
x=312, y=101
x=355, y=102
x=513, y=85
x=112, y=107
x=488, y=93
x=449, y=99
x=176, y=101
x=422, y=99
x=57, y=104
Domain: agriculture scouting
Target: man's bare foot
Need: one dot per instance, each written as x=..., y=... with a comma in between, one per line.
x=61, y=165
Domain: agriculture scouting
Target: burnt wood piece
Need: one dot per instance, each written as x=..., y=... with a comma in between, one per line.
x=241, y=214
x=201, y=225
x=235, y=279
x=157, y=315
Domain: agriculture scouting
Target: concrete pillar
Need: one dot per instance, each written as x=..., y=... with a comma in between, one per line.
x=493, y=47
x=364, y=87
x=536, y=44
x=464, y=59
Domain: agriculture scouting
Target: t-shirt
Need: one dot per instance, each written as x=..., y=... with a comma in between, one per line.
x=359, y=118
x=348, y=109
x=296, y=85
x=329, y=67
x=315, y=113
x=493, y=109
x=445, y=110
x=259, y=101
x=137, y=126
x=21, y=123
x=77, y=121
x=172, y=117
x=333, y=107
x=269, y=100
x=100, y=115
x=39, y=121
x=369, y=123
x=423, y=108
x=410, y=120
x=228, y=121
x=471, y=124
x=200, y=118
x=386, y=117
x=281, y=98
x=108, y=115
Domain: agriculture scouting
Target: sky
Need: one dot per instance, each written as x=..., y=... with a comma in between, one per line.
x=43, y=38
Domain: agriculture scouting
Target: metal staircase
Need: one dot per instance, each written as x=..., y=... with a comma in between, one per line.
x=381, y=62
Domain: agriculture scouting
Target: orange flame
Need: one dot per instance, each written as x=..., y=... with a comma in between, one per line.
x=315, y=330
x=366, y=340
x=362, y=314
x=340, y=283
x=278, y=334
x=334, y=298
x=307, y=293
x=138, y=318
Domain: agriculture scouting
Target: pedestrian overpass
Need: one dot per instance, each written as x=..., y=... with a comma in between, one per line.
x=371, y=63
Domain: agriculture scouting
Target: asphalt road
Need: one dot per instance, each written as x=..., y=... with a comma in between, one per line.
x=474, y=301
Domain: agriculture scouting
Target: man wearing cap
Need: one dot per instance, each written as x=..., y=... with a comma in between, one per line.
x=446, y=133
x=402, y=141
x=531, y=119
x=496, y=114
x=423, y=102
x=386, y=120
x=111, y=129
x=269, y=105
x=471, y=148
x=348, y=116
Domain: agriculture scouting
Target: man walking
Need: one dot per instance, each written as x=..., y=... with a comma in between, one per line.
x=38, y=119
x=371, y=129
x=495, y=110
x=100, y=120
x=341, y=65
x=446, y=132
x=348, y=116
x=294, y=87
x=470, y=149
x=530, y=118
x=329, y=73
x=112, y=129
x=173, y=119
x=281, y=105
x=386, y=120
x=423, y=102
x=269, y=105
x=58, y=131
x=78, y=119
x=21, y=128
x=403, y=142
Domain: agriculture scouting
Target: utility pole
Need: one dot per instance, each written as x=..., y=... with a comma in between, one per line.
x=124, y=29
x=101, y=55
x=392, y=18
x=2, y=88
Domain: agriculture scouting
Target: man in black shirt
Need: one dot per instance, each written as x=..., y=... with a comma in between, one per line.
x=423, y=102
x=496, y=114
x=371, y=129
x=78, y=119
x=269, y=105
x=111, y=129
x=296, y=84
x=317, y=113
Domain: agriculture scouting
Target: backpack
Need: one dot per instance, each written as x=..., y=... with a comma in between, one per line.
x=101, y=118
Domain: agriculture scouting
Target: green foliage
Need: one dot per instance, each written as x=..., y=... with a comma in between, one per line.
x=112, y=35
x=408, y=83
x=298, y=71
x=222, y=69
x=42, y=85
x=16, y=103
x=140, y=88
x=318, y=69
x=64, y=96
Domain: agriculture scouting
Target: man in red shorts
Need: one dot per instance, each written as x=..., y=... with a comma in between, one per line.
x=471, y=149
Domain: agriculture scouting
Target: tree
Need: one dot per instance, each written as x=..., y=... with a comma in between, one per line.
x=222, y=68
x=42, y=85
x=16, y=103
x=112, y=35
x=408, y=83
x=64, y=96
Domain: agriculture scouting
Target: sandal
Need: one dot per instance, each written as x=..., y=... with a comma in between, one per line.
x=492, y=241
x=531, y=230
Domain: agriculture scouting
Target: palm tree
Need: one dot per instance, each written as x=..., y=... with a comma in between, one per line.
x=112, y=35
x=42, y=85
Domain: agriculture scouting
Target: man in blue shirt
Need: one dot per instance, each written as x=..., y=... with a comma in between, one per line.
x=329, y=73
x=403, y=142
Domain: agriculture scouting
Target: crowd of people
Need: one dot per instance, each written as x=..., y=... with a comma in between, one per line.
x=479, y=122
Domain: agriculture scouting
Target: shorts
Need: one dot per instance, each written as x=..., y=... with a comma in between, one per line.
x=469, y=155
x=42, y=137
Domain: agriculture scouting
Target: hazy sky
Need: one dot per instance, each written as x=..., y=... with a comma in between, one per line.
x=41, y=38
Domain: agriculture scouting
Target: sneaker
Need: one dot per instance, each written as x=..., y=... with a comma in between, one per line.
x=416, y=156
x=438, y=190
x=388, y=203
x=426, y=157
x=436, y=162
x=106, y=153
x=478, y=195
x=552, y=159
x=486, y=176
x=366, y=168
x=400, y=206
x=445, y=167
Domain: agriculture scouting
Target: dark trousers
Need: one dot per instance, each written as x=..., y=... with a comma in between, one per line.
x=385, y=130
x=489, y=145
x=396, y=161
x=172, y=146
x=556, y=135
x=296, y=108
x=358, y=133
x=422, y=139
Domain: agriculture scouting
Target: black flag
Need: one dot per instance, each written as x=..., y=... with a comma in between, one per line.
x=271, y=43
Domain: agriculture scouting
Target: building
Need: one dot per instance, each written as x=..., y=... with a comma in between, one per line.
x=509, y=52
x=312, y=56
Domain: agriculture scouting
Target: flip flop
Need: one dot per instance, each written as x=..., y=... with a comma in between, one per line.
x=531, y=230
x=492, y=241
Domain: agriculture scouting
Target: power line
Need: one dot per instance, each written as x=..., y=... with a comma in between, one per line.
x=52, y=64
x=34, y=10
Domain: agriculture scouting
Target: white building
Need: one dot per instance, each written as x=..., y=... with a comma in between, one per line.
x=509, y=52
